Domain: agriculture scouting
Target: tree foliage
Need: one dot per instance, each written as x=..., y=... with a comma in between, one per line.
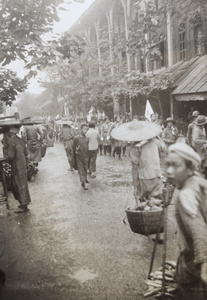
x=22, y=25
x=10, y=85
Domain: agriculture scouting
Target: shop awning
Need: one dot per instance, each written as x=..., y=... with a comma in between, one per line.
x=192, y=84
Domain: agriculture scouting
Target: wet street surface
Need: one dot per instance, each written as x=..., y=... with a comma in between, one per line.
x=73, y=244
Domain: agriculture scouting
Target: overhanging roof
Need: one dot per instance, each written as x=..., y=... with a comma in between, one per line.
x=192, y=84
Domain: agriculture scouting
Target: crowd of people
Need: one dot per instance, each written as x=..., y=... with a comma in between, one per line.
x=186, y=162
x=186, y=168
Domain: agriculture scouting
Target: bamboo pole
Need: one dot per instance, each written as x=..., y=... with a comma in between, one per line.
x=166, y=202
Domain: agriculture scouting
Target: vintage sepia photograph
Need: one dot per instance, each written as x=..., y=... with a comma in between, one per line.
x=103, y=149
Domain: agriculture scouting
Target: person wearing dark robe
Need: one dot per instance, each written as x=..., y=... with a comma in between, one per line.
x=17, y=156
x=191, y=215
x=80, y=148
x=34, y=138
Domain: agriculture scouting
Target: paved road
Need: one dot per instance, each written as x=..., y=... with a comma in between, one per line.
x=73, y=245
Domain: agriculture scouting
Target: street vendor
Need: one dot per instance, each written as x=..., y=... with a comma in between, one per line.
x=145, y=149
x=191, y=215
x=17, y=156
x=146, y=169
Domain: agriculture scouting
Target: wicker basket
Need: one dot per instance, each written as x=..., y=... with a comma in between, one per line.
x=145, y=222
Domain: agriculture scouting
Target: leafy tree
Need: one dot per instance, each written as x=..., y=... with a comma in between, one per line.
x=22, y=25
x=10, y=85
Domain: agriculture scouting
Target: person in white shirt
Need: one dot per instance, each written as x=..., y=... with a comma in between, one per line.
x=94, y=139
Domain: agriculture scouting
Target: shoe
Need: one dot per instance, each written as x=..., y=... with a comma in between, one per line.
x=84, y=186
x=93, y=175
x=70, y=169
x=21, y=210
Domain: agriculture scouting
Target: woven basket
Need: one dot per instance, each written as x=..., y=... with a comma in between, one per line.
x=145, y=222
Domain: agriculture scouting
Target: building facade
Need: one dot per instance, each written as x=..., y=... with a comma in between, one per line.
x=111, y=29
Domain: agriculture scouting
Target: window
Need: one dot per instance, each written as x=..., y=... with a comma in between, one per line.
x=182, y=37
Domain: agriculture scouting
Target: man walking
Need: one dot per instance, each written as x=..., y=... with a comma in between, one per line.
x=80, y=149
x=93, y=136
x=67, y=134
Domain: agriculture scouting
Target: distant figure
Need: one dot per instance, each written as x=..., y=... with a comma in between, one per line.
x=170, y=133
x=199, y=141
x=17, y=155
x=34, y=138
x=105, y=138
x=191, y=126
x=157, y=119
x=99, y=127
x=152, y=118
x=68, y=134
x=190, y=114
x=116, y=145
x=93, y=137
x=80, y=148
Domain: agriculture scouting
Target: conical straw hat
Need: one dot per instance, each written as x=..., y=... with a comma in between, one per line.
x=136, y=131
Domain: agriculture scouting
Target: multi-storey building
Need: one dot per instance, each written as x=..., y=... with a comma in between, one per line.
x=178, y=48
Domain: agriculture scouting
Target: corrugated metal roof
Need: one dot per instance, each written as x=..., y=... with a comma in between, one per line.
x=194, y=79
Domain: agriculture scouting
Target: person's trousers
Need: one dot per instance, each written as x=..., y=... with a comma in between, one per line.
x=100, y=149
x=107, y=149
x=117, y=150
x=69, y=153
x=92, y=156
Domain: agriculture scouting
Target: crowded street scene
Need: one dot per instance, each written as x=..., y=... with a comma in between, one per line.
x=103, y=153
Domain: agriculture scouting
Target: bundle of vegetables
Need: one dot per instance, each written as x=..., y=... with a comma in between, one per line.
x=151, y=204
x=155, y=282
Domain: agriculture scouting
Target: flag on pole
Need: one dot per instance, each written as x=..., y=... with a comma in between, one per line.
x=148, y=110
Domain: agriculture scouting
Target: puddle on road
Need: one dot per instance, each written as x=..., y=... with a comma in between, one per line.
x=84, y=275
